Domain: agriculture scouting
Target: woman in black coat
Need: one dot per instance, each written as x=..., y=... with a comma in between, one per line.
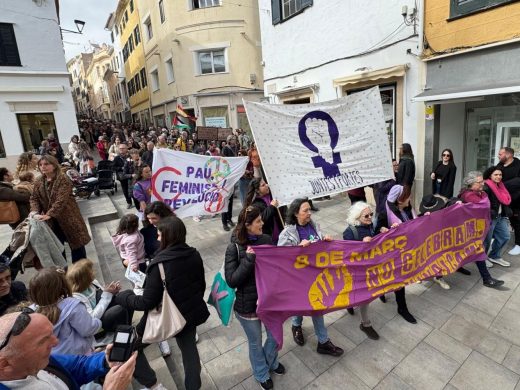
x=185, y=283
x=240, y=274
x=406, y=172
x=259, y=195
x=443, y=175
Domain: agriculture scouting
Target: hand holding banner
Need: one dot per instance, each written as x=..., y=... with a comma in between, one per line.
x=329, y=276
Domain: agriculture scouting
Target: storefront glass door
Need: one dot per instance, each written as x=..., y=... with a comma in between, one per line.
x=507, y=134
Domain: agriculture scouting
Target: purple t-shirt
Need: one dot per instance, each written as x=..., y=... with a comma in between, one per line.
x=307, y=232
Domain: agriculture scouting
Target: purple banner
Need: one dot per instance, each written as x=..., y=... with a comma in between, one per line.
x=329, y=276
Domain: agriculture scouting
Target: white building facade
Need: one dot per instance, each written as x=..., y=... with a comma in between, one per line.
x=314, y=51
x=35, y=91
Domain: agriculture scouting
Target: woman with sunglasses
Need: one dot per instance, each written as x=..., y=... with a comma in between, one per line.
x=240, y=274
x=361, y=228
x=443, y=175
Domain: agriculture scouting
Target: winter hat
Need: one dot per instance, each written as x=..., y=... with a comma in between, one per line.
x=395, y=193
x=431, y=203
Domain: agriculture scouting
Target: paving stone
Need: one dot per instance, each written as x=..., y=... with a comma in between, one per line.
x=348, y=325
x=319, y=363
x=512, y=359
x=403, y=335
x=474, y=315
x=226, y=338
x=432, y=314
x=230, y=368
x=446, y=299
x=477, y=338
x=372, y=360
x=481, y=373
x=507, y=325
x=426, y=367
x=487, y=299
x=393, y=382
x=448, y=346
x=337, y=377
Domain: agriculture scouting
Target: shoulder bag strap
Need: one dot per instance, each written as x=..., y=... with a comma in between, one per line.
x=163, y=277
x=355, y=232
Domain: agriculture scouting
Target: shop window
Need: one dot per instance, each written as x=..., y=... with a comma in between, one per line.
x=242, y=121
x=215, y=116
x=196, y=4
x=460, y=8
x=34, y=128
x=282, y=10
x=213, y=61
x=9, y=55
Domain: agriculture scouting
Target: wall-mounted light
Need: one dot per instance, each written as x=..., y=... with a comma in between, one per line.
x=79, y=26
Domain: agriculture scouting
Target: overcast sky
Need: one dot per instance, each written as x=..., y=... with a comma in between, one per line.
x=95, y=14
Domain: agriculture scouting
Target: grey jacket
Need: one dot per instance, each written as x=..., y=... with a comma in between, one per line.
x=45, y=244
x=290, y=237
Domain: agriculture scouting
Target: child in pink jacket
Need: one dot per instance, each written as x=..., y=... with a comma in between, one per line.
x=130, y=243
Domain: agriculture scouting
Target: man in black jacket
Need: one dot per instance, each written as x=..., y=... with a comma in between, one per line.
x=119, y=164
x=510, y=166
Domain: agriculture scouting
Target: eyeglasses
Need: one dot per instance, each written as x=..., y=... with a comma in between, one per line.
x=20, y=324
x=446, y=155
x=368, y=215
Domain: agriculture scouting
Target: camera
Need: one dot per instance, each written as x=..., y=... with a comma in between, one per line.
x=124, y=343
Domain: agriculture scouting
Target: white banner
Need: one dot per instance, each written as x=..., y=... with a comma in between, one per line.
x=192, y=184
x=324, y=148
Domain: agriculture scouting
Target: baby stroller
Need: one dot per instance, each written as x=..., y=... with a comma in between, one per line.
x=82, y=187
x=106, y=176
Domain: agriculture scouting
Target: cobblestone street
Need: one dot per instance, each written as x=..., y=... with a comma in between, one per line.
x=466, y=337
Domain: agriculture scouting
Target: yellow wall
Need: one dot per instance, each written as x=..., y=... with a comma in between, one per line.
x=195, y=29
x=135, y=61
x=494, y=25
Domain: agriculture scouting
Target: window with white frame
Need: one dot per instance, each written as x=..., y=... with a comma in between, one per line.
x=196, y=4
x=154, y=74
x=169, y=71
x=212, y=61
x=148, y=27
x=161, y=11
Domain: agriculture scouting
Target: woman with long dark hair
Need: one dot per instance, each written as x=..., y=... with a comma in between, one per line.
x=259, y=195
x=398, y=210
x=185, y=283
x=406, y=172
x=240, y=274
x=443, y=175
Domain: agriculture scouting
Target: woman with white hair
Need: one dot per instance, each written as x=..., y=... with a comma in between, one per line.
x=361, y=228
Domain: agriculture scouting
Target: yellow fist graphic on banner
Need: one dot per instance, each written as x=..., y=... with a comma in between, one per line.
x=331, y=289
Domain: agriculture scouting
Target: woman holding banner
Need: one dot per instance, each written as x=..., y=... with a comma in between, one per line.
x=259, y=195
x=302, y=231
x=240, y=274
x=361, y=228
x=398, y=210
x=474, y=193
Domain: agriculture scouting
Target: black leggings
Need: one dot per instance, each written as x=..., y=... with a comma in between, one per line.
x=114, y=315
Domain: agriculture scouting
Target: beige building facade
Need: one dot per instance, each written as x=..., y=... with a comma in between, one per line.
x=204, y=55
x=98, y=88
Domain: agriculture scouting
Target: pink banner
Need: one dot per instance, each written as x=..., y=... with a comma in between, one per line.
x=329, y=276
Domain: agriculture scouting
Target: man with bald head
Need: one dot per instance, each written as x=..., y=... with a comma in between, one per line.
x=26, y=341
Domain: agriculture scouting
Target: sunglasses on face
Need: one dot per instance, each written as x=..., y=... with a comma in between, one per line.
x=20, y=324
x=370, y=215
x=445, y=155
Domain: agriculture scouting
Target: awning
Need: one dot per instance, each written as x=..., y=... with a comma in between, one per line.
x=434, y=95
x=394, y=71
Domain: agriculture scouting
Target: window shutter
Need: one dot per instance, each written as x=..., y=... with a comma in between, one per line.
x=8, y=49
x=276, y=11
x=306, y=3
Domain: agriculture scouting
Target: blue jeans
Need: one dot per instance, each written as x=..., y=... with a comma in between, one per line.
x=319, y=327
x=499, y=230
x=243, y=185
x=262, y=358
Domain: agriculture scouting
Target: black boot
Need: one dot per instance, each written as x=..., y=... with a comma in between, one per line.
x=402, y=309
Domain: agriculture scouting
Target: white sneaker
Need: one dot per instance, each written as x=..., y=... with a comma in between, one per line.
x=514, y=251
x=442, y=283
x=501, y=262
x=489, y=264
x=158, y=386
x=165, y=348
x=196, y=218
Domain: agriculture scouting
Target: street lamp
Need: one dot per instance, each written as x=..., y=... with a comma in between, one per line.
x=79, y=25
